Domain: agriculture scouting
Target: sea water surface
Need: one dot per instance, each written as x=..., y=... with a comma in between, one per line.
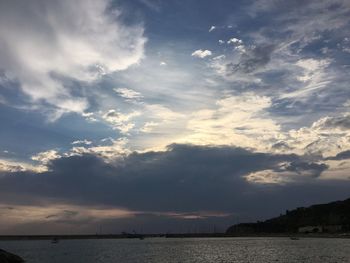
x=164, y=250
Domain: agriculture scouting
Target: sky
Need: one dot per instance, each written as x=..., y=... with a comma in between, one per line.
x=170, y=116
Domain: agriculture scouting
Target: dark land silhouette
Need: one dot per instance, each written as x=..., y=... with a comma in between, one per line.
x=330, y=218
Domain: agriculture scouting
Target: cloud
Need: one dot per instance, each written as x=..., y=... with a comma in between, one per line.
x=338, y=168
x=327, y=136
x=46, y=157
x=236, y=120
x=306, y=168
x=281, y=146
x=44, y=42
x=340, y=156
x=128, y=94
x=329, y=139
x=181, y=182
x=280, y=94
x=334, y=15
x=336, y=122
x=287, y=172
x=154, y=5
x=136, y=174
x=219, y=57
x=20, y=213
x=120, y=121
x=295, y=69
x=270, y=177
x=315, y=75
x=86, y=142
x=201, y=53
x=252, y=60
x=78, y=216
x=162, y=113
x=89, y=116
x=235, y=41
x=149, y=126
x=212, y=28
x=16, y=166
x=110, y=152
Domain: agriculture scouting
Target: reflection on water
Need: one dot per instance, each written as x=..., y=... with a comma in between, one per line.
x=162, y=250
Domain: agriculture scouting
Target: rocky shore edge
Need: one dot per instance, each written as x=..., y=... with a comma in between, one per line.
x=7, y=257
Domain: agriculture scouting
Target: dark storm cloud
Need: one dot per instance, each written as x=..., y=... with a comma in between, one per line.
x=183, y=178
x=341, y=156
x=314, y=169
x=252, y=60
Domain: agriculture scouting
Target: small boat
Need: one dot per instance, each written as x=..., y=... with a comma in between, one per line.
x=293, y=238
x=55, y=240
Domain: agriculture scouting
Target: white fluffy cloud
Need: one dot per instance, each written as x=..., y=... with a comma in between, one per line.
x=40, y=41
x=121, y=121
x=201, y=53
x=234, y=41
x=16, y=166
x=327, y=136
x=45, y=157
x=114, y=150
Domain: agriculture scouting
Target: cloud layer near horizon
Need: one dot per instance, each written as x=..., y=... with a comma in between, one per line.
x=181, y=181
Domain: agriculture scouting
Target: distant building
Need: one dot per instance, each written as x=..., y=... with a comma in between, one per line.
x=245, y=228
x=310, y=229
x=321, y=229
x=332, y=228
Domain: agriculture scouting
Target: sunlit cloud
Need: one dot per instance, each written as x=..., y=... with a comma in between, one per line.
x=11, y=166
x=237, y=120
x=128, y=94
x=120, y=121
x=87, y=43
x=46, y=157
x=201, y=53
x=87, y=142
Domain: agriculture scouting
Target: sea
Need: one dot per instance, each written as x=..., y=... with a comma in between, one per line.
x=191, y=250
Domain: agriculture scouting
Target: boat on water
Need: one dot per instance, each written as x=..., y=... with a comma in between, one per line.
x=55, y=240
x=293, y=238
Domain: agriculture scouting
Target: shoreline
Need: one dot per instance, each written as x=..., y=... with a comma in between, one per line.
x=140, y=236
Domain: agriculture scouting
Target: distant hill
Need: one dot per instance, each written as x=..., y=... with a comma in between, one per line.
x=331, y=217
